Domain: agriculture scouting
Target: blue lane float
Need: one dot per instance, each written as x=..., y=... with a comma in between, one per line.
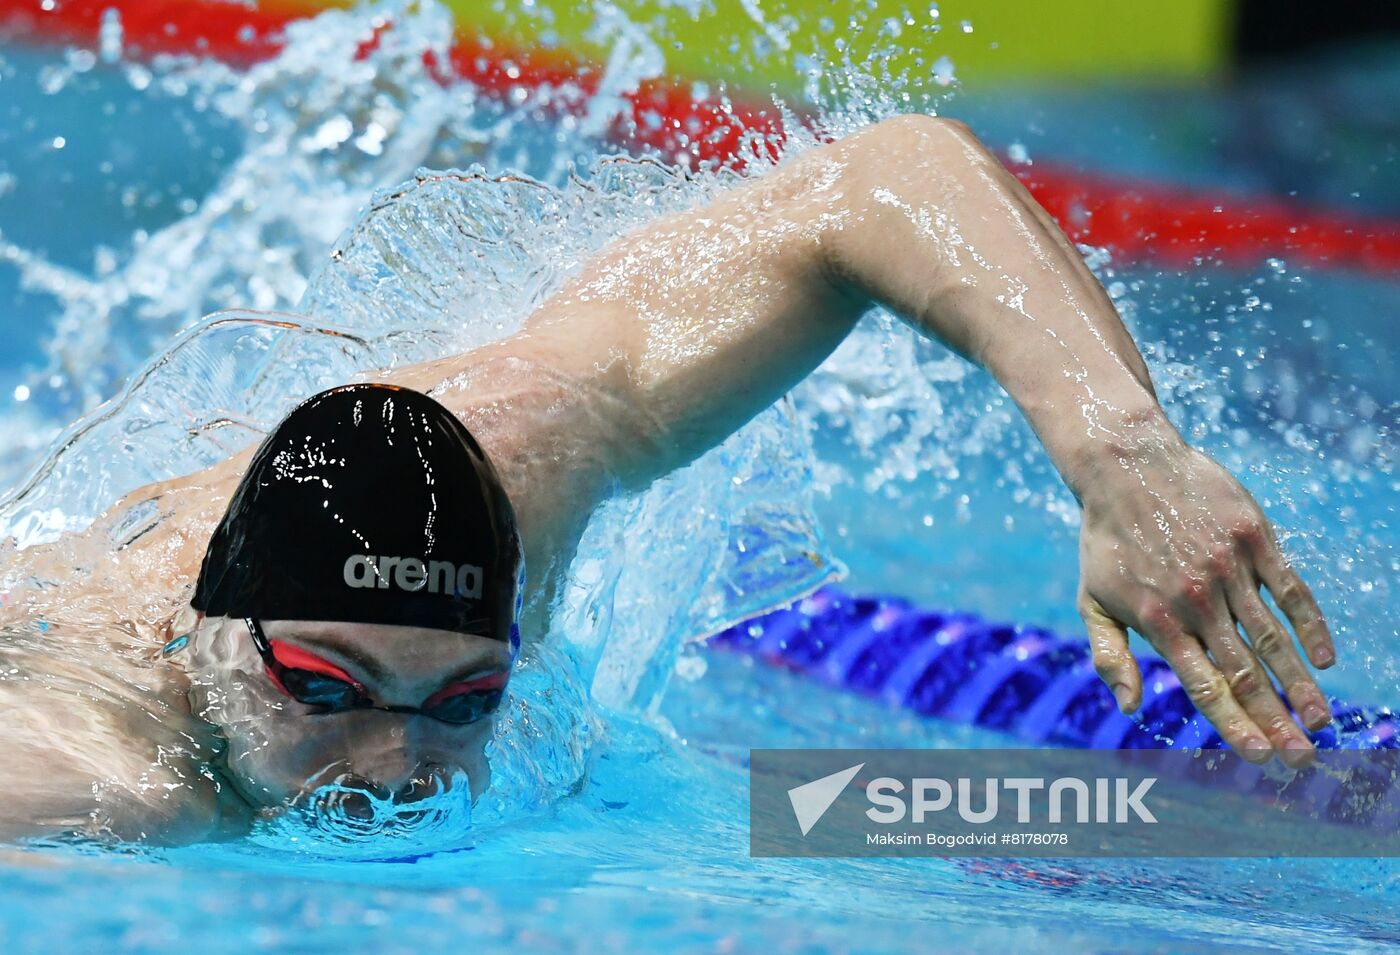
x=1038, y=686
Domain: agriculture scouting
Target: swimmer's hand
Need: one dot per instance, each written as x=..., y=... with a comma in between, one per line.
x=1173, y=547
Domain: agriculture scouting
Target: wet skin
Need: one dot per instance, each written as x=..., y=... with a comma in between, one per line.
x=681, y=332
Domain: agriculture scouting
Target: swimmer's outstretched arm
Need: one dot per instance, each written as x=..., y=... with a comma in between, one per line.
x=704, y=319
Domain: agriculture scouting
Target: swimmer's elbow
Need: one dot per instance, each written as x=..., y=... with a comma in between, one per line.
x=914, y=135
x=917, y=157
x=921, y=124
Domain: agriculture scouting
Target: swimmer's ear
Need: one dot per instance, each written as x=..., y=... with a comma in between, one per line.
x=180, y=630
x=186, y=620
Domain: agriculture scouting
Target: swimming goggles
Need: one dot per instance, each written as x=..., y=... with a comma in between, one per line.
x=308, y=679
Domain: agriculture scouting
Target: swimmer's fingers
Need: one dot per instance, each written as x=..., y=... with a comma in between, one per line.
x=1114, y=662
x=1275, y=645
x=1210, y=692
x=1296, y=601
x=1249, y=682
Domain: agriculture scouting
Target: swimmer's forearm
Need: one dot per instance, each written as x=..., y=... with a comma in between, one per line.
x=944, y=235
x=1171, y=546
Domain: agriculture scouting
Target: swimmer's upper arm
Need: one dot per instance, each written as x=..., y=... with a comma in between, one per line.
x=700, y=320
x=679, y=333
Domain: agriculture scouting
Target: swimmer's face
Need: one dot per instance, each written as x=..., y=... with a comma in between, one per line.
x=280, y=748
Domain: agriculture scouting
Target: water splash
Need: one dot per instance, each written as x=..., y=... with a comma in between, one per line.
x=324, y=123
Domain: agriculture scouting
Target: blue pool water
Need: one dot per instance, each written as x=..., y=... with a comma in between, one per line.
x=178, y=189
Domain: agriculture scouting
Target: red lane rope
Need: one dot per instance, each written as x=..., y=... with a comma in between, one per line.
x=227, y=31
x=1182, y=227
x=1163, y=224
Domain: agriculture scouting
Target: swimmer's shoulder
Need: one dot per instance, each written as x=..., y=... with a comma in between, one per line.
x=542, y=422
x=555, y=437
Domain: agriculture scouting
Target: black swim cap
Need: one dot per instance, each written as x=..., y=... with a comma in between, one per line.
x=368, y=504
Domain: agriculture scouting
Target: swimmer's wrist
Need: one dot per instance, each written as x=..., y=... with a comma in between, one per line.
x=1096, y=460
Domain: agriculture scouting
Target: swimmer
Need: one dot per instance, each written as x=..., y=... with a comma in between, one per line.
x=346, y=601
